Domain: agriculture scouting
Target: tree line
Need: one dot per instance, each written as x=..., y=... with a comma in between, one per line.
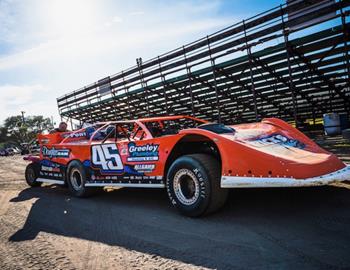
x=17, y=129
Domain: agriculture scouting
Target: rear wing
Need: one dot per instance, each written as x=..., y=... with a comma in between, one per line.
x=54, y=138
x=59, y=137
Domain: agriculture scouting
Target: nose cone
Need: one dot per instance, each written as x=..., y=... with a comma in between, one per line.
x=306, y=165
x=278, y=157
x=299, y=163
x=296, y=159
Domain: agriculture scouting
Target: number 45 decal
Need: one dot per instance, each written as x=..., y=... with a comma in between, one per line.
x=106, y=157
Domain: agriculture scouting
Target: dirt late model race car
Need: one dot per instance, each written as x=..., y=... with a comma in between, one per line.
x=196, y=161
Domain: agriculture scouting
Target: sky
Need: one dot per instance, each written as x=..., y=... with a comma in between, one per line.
x=51, y=47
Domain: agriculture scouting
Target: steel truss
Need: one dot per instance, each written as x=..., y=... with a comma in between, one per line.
x=235, y=75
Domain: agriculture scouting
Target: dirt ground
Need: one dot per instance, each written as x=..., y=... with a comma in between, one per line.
x=46, y=228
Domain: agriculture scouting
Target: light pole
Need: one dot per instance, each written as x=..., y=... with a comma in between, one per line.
x=23, y=121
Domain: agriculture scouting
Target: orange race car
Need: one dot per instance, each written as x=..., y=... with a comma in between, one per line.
x=195, y=160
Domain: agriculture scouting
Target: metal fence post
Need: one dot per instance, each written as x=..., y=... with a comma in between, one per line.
x=163, y=82
x=143, y=84
x=188, y=70
x=291, y=84
x=251, y=73
x=212, y=62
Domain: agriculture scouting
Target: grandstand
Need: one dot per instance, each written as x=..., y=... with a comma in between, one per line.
x=290, y=62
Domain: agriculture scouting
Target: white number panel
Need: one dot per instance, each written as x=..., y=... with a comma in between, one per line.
x=106, y=157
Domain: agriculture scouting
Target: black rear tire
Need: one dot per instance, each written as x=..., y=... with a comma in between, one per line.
x=193, y=185
x=32, y=174
x=76, y=179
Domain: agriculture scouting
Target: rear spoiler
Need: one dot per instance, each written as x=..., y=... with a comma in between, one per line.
x=53, y=138
x=31, y=158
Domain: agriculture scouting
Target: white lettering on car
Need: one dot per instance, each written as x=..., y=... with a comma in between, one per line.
x=106, y=157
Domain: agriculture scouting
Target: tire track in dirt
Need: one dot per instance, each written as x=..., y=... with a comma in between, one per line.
x=137, y=229
x=37, y=253
x=51, y=251
x=4, y=199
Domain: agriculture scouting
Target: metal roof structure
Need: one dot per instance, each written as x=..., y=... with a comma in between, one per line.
x=290, y=62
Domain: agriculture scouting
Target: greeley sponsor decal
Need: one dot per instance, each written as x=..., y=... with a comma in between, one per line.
x=147, y=152
x=52, y=152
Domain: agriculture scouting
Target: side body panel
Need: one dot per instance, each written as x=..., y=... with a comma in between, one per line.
x=141, y=162
x=269, y=153
x=54, y=157
x=123, y=163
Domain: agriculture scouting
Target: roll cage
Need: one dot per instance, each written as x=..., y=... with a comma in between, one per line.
x=131, y=130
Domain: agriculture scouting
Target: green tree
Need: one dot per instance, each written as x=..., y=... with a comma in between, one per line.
x=3, y=134
x=17, y=131
x=3, y=137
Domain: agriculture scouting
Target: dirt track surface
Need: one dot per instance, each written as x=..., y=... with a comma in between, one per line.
x=46, y=228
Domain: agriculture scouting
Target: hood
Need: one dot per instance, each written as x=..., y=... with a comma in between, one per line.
x=272, y=145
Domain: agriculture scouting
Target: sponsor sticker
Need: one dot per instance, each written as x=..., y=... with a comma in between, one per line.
x=52, y=152
x=50, y=169
x=144, y=167
x=50, y=174
x=281, y=140
x=45, y=141
x=124, y=149
x=147, y=152
x=75, y=135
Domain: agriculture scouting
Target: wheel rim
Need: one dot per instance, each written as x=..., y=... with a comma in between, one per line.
x=186, y=186
x=76, y=179
x=31, y=175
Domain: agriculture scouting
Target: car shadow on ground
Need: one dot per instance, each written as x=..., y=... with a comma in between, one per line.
x=258, y=228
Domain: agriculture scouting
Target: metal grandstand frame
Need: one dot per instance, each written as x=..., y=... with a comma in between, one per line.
x=264, y=66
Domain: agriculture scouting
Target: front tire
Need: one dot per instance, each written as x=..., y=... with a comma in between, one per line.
x=32, y=174
x=76, y=179
x=193, y=185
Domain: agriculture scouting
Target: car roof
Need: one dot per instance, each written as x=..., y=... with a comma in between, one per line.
x=153, y=119
x=173, y=117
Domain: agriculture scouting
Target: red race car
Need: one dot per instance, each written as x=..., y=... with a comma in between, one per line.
x=196, y=161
